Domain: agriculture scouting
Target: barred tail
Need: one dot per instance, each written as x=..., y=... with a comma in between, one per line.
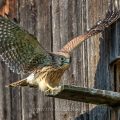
x=18, y=83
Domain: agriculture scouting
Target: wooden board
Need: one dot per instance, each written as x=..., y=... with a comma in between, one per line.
x=88, y=95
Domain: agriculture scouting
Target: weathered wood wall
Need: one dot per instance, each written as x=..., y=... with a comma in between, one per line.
x=55, y=22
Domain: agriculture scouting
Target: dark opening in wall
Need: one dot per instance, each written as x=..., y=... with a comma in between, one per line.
x=115, y=55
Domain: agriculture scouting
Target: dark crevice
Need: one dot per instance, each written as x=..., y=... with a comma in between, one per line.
x=51, y=27
x=115, y=78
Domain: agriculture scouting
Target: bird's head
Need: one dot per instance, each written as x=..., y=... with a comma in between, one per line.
x=60, y=59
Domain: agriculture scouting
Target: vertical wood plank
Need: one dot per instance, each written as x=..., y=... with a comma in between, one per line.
x=27, y=20
x=9, y=105
x=114, y=53
x=35, y=17
x=45, y=105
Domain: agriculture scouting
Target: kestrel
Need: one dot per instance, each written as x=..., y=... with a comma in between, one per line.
x=23, y=53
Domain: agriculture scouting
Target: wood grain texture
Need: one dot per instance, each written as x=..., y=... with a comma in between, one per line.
x=87, y=95
x=55, y=22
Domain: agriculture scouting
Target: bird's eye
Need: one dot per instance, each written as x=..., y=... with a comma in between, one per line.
x=62, y=58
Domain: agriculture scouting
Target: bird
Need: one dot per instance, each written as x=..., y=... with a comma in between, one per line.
x=23, y=54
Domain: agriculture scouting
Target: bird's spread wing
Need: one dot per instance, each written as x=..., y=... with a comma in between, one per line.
x=19, y=49
x=110, y=18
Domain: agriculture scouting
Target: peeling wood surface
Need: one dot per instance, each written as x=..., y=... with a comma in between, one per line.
x=55, y=22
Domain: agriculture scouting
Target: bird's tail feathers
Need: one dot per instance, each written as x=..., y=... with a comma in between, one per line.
x=22, y=82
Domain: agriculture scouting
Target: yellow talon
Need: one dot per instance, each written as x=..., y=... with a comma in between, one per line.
x=51, y=89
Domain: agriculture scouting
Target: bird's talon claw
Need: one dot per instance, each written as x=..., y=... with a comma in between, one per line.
x=53, y=90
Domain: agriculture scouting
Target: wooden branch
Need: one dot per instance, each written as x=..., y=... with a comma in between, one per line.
x=87, y=95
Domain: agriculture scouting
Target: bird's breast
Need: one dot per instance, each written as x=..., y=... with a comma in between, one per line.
x=49, y=75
